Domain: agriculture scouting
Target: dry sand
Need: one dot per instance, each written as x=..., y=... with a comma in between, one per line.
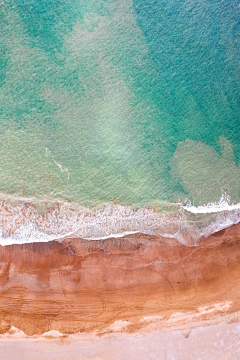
x=215, y=342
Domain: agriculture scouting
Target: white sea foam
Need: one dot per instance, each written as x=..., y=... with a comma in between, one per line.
x=21, y=224
x=212, y=208
x=119, y=235
x=29, y=234
x=222, y=205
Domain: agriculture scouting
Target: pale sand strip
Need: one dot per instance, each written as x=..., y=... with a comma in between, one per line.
x=214, y=342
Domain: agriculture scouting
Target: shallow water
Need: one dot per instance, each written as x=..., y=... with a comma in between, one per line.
x=113, y=103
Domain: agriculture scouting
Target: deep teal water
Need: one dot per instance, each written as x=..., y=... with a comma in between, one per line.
x=133, y=102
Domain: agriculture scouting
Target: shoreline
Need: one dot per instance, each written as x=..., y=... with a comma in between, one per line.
x=25, y=223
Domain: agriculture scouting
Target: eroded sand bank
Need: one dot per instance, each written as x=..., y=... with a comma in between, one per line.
x=136, y=284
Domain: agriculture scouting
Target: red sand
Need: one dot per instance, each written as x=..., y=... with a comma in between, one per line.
x=87, y=286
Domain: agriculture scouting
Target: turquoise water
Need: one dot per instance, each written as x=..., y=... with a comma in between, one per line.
x=119, y=101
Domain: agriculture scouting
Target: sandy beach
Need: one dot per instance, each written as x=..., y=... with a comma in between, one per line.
x=139, y=282
x=214, y=342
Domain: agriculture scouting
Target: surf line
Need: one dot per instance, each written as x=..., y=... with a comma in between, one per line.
x=213, y=207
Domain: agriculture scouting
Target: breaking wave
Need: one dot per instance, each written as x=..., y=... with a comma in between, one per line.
x=222, y=205
x=25, y=220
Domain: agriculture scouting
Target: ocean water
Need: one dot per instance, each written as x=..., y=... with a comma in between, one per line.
x=119, y=116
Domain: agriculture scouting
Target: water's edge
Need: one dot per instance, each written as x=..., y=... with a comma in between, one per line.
x=26, y=220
